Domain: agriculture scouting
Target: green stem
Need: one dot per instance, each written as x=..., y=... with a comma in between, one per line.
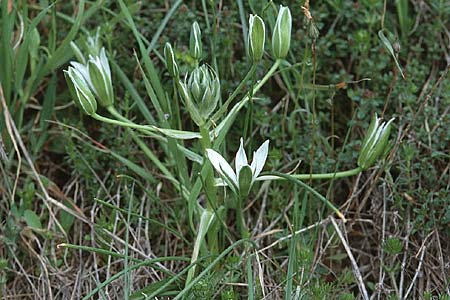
x=314, y=176
x=210, y=186
x=224, y=107
x=312, y=191
x=240, y=219
x=124, y=123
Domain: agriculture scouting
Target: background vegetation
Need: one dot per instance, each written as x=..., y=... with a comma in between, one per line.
x=125, y=228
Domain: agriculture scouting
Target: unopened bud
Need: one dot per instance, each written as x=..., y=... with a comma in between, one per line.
x=100, y=79
x=80, y=91
x=256, y=38
x=195, y=42
x=171, y=62
x=375, y=142
x=281, y=38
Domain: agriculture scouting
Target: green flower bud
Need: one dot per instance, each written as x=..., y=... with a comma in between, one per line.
x=256, y=38
x=195, y=42
x=245, y=180
x=375, y=142
x=202, y=92
x=100, y=79
x=171, y=62
x=190, y=106
x=80, y=91
x=281, y=38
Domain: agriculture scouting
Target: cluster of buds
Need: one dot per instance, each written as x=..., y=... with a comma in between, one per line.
x=87, y=80
x=201, y=93
x=375, y=143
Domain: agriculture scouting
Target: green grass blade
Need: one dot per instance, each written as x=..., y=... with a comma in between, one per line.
x=133, y=93
x=388, y=46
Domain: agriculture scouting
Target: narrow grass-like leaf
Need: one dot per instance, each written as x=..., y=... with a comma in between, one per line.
x=134, y=167
x=210, y=267
x=46, y=113
x=150, y=220
x=150, y=68
x=388, y=46
x=133, y=93
x=22, y=56
x=206, y=219
x=310, y=189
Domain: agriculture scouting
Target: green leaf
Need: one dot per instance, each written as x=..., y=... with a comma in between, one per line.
x=32, y=219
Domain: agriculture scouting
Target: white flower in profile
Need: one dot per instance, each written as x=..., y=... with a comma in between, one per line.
x=242, y=178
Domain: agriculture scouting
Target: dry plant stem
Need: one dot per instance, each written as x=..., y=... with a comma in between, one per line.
x=355, y=267
x=15, y=137
x=383, y=237
x=418, y=271
x=405, y=256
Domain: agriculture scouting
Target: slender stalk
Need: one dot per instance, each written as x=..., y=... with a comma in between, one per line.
x=335, y=175
x=224, y=107
x=240, y=219
x=210, y=186
x=123, y=123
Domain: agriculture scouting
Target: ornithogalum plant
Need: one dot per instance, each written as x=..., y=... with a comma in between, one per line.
x=90, y=81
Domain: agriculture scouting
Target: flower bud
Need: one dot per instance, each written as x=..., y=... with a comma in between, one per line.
x=171, y=63
x=190, y=106
x=201, y=93
x=195, y=42
x=205, y=89
x=281, y=37
x=80, y=91
x=375, y=142
x=245, y=180
x=100, y=79
x=256, y=38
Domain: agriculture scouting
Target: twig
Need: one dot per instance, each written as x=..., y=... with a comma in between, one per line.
x=405, y=255
x=383, y=237
x=356, y=272
x=418, y=271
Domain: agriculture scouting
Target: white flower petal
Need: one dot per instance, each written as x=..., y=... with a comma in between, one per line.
x=221, y=165
x=241, y=158
x=82, y=69
x=259, y=158
x=104, y=62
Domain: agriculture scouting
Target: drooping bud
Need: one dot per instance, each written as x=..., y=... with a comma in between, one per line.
x=80, y=91
x=195, y=42
x=281, y=38
x=171, y=62
x=256, y=38
x=100, y=79
x=375, y=142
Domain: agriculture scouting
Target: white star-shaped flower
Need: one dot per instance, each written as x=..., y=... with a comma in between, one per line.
x=242, y=178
